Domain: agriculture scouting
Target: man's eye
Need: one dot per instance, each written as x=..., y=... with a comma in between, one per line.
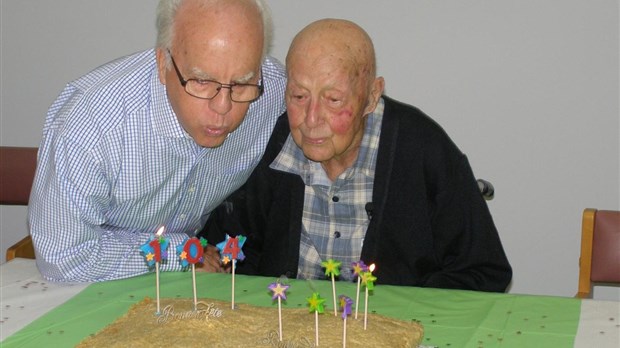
x=333, y=101
x=298, y=97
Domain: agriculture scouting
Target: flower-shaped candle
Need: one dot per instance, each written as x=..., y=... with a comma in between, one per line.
x=345, y=305
x=368, y=281
x=316, y=305
x=332, y=269
x=279, y=293
x=358, y=268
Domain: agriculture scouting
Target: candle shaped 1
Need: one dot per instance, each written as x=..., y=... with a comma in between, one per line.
x=155, y=251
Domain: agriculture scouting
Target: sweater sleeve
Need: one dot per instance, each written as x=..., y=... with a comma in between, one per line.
x=467, y=244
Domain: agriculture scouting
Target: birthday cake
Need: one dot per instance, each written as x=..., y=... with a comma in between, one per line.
x=214, y=324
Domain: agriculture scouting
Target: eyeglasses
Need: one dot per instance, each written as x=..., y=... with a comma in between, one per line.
x=208, y=89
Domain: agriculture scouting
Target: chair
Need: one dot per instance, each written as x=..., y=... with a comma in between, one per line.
x=17, y=168
x=486, y=189
x=600, y=250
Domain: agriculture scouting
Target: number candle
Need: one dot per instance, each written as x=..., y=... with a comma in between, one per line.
x=191, y=251
x=230, y=250
x=155, y=251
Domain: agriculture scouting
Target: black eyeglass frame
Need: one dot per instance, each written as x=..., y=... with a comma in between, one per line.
x=183, y=81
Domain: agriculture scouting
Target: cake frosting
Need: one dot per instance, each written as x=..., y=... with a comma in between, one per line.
x=214, y=324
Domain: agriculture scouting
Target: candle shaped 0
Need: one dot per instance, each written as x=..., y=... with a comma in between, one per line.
x=194, y=250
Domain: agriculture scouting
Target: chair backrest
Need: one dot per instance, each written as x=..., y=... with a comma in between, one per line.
x=17, y=168
x=600, y=250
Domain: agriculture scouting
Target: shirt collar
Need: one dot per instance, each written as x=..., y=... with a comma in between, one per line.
x=165, y=121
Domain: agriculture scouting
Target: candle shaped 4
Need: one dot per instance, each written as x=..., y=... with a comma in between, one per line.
x=230, y=251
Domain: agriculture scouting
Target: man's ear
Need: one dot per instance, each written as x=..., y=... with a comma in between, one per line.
x=376, y=91
x=162, y=64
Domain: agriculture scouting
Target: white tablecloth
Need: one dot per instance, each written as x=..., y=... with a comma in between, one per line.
x=599, y=324
x=25, y=295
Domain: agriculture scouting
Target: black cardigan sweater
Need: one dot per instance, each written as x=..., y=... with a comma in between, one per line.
x=430, y=225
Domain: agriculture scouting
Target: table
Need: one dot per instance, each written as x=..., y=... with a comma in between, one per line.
x=36, y=313
x=25, y=295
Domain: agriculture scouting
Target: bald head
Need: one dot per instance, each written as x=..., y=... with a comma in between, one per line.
x=343, y=41
x=331, y=88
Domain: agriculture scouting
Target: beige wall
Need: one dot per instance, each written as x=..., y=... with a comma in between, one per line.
x=527, y=89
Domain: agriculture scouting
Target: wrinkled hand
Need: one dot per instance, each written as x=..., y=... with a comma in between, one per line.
x=211, y=261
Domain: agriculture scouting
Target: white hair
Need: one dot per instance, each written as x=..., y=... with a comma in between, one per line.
x=167, y=10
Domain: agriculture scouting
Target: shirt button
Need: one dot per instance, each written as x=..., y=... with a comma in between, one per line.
x=191, y=189
x=335, y=199
x=182, y=216
x=336, y=234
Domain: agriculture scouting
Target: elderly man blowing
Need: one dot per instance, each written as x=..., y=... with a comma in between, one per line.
x=156, y=138
x=351, y=174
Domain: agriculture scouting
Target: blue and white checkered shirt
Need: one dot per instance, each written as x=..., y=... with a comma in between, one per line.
x=334, y=219
x=115, y=164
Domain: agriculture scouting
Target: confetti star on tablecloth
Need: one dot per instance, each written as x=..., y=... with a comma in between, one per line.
x=279, y=290
x=316, y=303
x=332, y=267
x=358, y=267
x=345, y=305
x=368, y=280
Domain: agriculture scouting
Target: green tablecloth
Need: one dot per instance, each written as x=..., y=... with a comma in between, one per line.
x=451, y=318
